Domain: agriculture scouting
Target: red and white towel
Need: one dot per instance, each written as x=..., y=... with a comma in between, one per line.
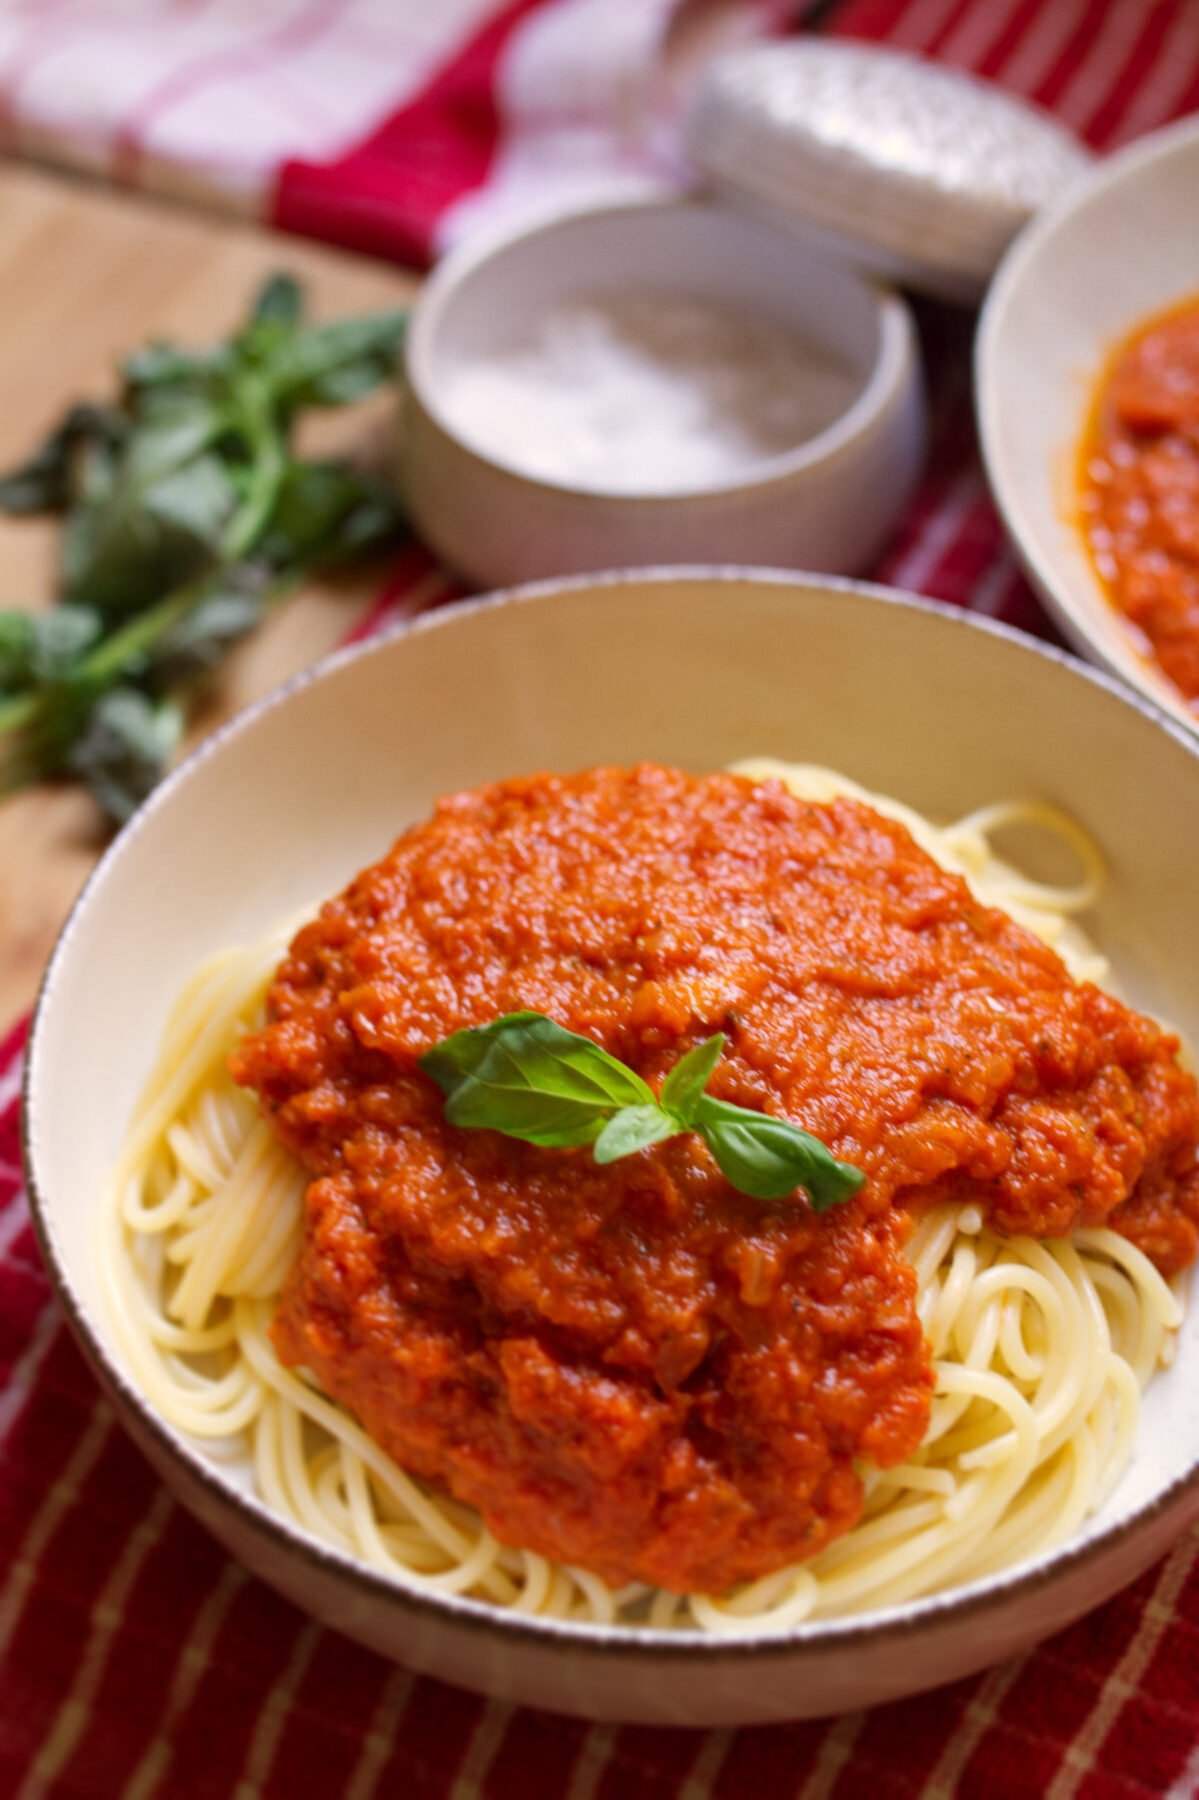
x=391, y=127
x=135, y=1658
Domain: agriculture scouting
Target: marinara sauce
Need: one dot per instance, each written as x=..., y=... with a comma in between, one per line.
x=1140, y=490
x=636, y=1368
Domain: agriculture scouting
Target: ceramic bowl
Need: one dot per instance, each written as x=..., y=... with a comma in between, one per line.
x=697, y=668
x=829, y=503
x=1119, y=247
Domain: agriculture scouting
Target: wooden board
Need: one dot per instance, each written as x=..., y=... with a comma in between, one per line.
x=84, y=276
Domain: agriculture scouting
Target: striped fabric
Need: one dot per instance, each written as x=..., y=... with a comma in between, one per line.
x=135, y=1659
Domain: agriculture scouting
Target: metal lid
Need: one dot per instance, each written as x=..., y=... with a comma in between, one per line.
x=904, y=167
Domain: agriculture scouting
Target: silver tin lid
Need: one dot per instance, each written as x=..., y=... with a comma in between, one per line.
x=905, y=168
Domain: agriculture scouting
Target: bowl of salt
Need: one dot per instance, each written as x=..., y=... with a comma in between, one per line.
x=657, y=381
x=723, y=377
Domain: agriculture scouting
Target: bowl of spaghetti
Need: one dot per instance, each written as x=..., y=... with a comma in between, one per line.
x=630, y=1145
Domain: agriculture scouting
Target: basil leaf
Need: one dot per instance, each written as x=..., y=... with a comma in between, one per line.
x=162, y=366
x=352, y=381
x=60, y=638
x=44, y=483
x=202, y=637
x=683, y=1088
x=327, y=509
x=16, y=650
x=527, y=1077
x=171, y=432
x=305, y=369
x=44, y=647
x=769, y=1158
x=633, y=1128
x=121, y=552
x=124, y=748
x=280, y=301
x=187, y=508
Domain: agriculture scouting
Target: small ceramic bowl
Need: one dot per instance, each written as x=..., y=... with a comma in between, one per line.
x=828, y=503
x=698, y=668
x=1121, y=246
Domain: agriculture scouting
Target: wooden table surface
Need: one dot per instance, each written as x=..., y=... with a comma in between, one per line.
x=85, y=275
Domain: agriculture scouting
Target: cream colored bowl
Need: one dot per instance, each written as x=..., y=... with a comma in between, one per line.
x=694, y=668
x=1122, y=245
x=828, y=503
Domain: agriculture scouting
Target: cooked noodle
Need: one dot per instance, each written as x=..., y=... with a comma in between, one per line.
x=1040, y=1347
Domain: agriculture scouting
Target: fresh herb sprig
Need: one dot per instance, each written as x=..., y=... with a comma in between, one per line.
x=186, y=514
x=529, y=1078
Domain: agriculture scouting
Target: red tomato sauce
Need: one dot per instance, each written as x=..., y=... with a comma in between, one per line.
x=1140, y=490
x=636, y=1368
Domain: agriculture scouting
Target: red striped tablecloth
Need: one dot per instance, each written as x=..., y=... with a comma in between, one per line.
x=135, y=1658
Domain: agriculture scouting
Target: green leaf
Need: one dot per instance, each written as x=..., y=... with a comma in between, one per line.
x=123, y=551
x=198, y=499
x=280, y=301
x=162, y=366
x=183, y=505
x=16, y=650
x=352, y=381
x=527, y=1077
x=684, y=1086
x=124, y=748
x=375, y=520
x=60, y=638
x=202, y=638
x=633, y=1128
x=769, y=1158
x=172, y=431
x=45, y=646
x=305, y=368
x=327, y=512
x=95, y=471
x=44, y=483
x=275, y=319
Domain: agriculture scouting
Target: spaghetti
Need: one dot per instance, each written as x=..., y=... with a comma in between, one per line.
x=1040, y=1347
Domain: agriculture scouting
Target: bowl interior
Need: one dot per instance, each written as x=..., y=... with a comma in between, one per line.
x=696, y=669
x=1123, y=248
x=481, y=305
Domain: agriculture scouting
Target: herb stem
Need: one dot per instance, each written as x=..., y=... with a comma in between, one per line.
x=114, y=655
x=266, y=475
x=109, y=660
x=20, y=711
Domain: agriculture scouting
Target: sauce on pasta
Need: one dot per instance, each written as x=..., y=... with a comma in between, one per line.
x=1140, y=490
x=636, y=1369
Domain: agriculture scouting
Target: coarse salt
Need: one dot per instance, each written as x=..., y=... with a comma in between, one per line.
x=635, y=391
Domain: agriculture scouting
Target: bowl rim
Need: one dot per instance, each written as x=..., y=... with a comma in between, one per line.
x=1127, y=663
x=895, y=361
x=812, y=1638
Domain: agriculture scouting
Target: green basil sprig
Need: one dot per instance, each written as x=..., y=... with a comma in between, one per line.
x=188, y=512
x=528, y=1078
